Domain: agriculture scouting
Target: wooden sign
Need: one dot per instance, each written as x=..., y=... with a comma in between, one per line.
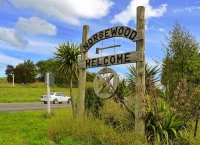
x=100, y=83
x=103, y=86
x=116, y=59
x=119, y=31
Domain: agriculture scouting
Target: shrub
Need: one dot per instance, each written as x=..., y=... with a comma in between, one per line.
x=92, y=101
x=90, y=131
x=112, y=113
x=166, y=123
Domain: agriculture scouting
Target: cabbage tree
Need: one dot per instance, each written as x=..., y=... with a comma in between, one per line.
x=66, y=64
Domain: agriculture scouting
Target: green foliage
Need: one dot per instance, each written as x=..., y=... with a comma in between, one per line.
x=24, y=128
x=66, y=64
x=124, y=97
x=9, y=71
x=66, y=59
x=163, y=126
x=166, y=123
x=112, y=114
x=31, y=93
x=92, y=102
x=90, y=76
x=60, y=80
x=122, y=90
x=44, y=66
x=181, y=60
x=150, y=75
x=90, y=131
x=25, y=72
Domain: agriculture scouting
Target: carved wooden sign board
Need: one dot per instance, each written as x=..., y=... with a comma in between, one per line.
x=122, y=58
x=119, y=31
x=106, y=81
x=106, y=86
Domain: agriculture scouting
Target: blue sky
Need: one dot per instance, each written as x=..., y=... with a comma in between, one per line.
x=32, y=29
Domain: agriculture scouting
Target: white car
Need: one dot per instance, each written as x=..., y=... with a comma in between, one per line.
x=56, y=97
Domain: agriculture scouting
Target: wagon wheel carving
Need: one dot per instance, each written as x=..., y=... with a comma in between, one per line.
x=105, y=83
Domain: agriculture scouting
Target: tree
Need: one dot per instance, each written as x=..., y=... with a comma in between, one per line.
x=25, y=72
x=66, y=63
x=181, y=60
x=90, y=76
x=150, y=76
x=44, y=66
x=9, y=71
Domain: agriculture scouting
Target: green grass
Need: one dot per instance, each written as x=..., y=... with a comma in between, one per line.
x=27, y=128
x=30, y=93
x=90, y=131
x=38, y=128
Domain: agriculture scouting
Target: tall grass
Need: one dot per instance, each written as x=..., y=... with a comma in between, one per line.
x=90, y=131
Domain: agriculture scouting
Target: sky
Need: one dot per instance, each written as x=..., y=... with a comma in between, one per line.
x=33, y=29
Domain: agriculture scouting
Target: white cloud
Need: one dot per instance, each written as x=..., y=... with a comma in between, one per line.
x=69, y=11
x=35, y=26
x=5, y=59
x=42, y=47
x=189, y=9
x=130, y=13
x=12, y=37
x=156, y=29
x=161, y=29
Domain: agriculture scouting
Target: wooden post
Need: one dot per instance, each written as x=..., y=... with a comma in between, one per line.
x=82, y=77
x=140, y=80
x=48, y=93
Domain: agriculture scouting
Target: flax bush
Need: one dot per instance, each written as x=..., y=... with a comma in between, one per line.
x=166, y=123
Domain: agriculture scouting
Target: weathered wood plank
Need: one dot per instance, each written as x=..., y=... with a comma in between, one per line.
x=116, y=59
x=119, y=31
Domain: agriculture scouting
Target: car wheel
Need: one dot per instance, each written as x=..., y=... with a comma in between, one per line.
x=60, y=102
x=55, y=101
x=69, y=101
x=45, y=102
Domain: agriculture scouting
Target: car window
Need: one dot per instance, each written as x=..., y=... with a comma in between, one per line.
x=62, y=95
x=57, y=94
x=51, y=93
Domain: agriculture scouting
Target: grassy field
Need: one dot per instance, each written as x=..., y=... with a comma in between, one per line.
x=27, y=93
x=38, y=128
x=28, y=128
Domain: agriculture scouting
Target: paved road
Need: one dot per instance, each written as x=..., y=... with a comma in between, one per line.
x=7, y=107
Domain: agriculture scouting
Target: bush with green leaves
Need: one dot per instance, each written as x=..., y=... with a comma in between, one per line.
x=92, y=101
x=166, y=123
x=163, y=125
